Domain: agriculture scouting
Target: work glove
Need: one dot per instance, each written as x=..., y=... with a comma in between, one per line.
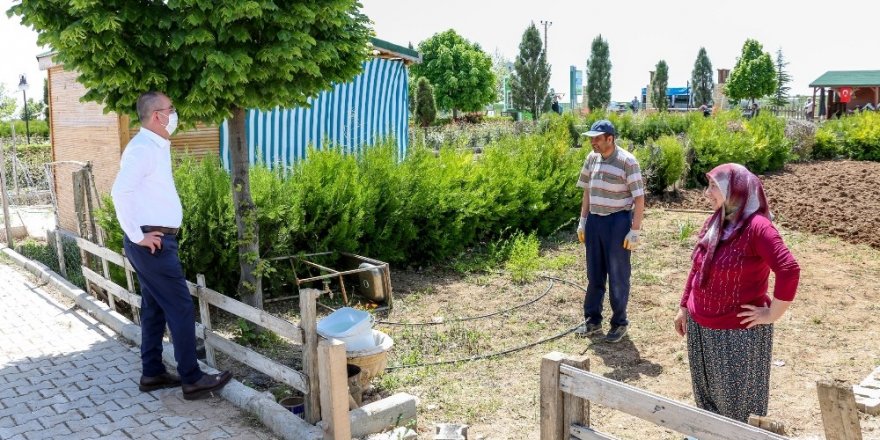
x=582, y=226
x=631, y=242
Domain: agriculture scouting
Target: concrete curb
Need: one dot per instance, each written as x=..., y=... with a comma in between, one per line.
x=277, y=419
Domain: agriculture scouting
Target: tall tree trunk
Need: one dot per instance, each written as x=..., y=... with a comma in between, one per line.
x=249, y=283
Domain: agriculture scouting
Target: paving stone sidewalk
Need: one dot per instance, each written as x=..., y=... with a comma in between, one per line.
x=65, y=376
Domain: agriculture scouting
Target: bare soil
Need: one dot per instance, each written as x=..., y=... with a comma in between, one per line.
x=828, y=215
x=840, y=198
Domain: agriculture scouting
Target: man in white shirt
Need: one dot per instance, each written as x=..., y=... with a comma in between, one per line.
x=149, y=211
x=808, y=109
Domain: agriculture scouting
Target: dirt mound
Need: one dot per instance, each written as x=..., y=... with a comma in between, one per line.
x=840, y=198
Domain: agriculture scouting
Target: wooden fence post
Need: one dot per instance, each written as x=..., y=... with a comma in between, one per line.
x=840, y=416
x=205, y=313
x=552, y=414
x=334, y=393
x=577, y=410
x=308, y=309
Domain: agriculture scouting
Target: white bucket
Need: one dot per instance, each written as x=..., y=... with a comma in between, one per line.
x=354, y=327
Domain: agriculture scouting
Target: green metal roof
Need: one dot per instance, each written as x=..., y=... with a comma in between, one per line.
x=387, y=47
x=842, y=78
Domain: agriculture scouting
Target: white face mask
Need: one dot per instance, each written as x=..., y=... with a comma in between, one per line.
x=172, y=123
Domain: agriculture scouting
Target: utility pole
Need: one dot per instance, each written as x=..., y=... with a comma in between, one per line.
x=546, y=24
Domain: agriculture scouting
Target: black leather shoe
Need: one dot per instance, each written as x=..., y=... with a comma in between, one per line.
x=206, y=385
x=164, y=380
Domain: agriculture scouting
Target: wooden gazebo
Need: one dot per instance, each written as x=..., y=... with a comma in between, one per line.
x=841, y=91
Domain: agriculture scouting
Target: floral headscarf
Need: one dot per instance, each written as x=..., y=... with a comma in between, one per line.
x=743, y=197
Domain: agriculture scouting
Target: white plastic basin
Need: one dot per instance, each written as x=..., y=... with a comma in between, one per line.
x=354, y=327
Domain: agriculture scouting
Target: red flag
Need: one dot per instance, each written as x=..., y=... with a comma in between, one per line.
x=845, y=94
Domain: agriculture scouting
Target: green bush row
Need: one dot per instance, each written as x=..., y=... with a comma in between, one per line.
x=855, y=137
x=424, y=208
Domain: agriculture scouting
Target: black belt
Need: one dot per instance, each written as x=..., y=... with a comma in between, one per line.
x=162, y=229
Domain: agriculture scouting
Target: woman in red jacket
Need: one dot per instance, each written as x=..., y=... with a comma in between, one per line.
x=725, y=310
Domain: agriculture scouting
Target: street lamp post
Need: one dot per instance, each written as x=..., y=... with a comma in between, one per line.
x=23, y=86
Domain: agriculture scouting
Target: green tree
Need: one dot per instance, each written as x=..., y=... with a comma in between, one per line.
x=753, y=76
x=780, y=96
x=459, y=70
x=599, y=75
x=426, y=107
x=7, y=104
x=215, y=59
x=659, y=85
x=531, y=74
x=701, y=79
x=35, y=110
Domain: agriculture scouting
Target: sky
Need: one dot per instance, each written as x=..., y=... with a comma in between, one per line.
x=842, y=35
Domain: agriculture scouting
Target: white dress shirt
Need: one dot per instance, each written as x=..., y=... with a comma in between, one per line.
x=144, y=192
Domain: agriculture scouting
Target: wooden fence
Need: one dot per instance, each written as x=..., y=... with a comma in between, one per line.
x=322, y=361
x=567, y=389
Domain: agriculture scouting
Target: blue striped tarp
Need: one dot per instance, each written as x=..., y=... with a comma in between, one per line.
x=351, y=116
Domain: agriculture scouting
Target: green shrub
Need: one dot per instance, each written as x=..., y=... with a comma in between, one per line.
x=715, y=141
x=855, y=136
x=662, y=163
x=770, y=147
x=562, y=126
x=39, y=129
x=759, y=144
x=46, y=253
x=425, y=208
x=523, y=260
x=827, y=144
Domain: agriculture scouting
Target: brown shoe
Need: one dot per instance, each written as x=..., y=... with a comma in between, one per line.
x=206, y=385
x=164, y=380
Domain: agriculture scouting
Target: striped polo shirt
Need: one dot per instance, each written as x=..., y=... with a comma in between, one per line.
x=612, y=182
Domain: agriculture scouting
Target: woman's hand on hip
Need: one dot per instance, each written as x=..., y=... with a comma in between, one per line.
x=755, y=315
x=680, y=321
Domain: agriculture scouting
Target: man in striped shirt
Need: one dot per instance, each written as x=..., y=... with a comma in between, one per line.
x=611, y=218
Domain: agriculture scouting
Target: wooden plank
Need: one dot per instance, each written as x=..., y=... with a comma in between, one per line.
x=576, y=411
x=266, y=320
x=840, y=417
x=308, y=309
x=334, y=393
x=551, y=412
x=659, y=410
x=102, y=252
x=129, y=281
x=253, y=359
x=112, y=289
x=584, y=433
x=205, y=313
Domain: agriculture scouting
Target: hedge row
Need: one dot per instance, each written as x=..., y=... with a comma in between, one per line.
x=423, y=209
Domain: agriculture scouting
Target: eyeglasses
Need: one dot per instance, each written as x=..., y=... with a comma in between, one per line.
x=173, y=110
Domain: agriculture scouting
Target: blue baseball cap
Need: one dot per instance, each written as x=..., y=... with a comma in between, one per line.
x=602, y=126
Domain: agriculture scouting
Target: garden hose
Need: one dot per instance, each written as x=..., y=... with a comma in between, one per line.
x=473, y=318
x=495, y=313
x=484, y=356
x=498, y=353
